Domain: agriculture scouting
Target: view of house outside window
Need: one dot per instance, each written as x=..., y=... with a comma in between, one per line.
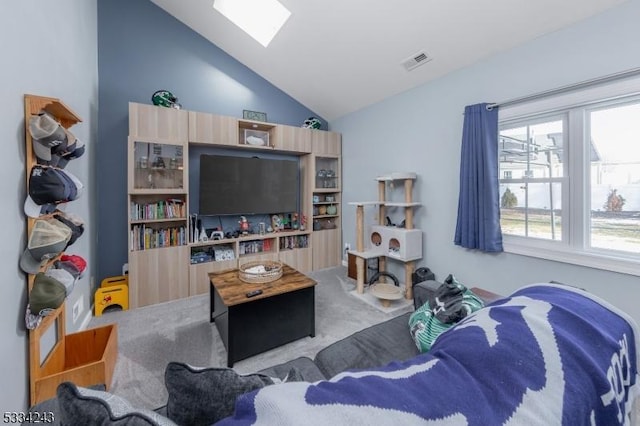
x=531, y=155
x=615, y=179
x=570, y=178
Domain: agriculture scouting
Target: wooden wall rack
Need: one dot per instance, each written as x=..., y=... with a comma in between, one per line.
x=84, y=358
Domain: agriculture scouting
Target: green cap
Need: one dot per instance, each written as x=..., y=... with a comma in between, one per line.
x=46, y=293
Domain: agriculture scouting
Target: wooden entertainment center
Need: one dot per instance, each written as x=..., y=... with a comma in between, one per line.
x=160, y=250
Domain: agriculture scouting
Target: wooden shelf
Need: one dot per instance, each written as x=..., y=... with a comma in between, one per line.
x=147, y=221
x=65, y=116
x=158, y=191
x=87, y=357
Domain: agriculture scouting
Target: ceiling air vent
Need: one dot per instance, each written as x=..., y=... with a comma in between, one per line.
x=416, y=60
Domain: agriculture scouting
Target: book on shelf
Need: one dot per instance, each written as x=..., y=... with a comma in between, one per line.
x=293, y=242
x=172, y=208
x=144, y=238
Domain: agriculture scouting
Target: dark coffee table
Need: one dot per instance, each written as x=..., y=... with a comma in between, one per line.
x=284, y=312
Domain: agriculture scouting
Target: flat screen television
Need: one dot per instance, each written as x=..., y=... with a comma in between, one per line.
x=247, y=185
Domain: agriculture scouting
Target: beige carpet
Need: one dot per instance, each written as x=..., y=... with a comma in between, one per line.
x=152, y=336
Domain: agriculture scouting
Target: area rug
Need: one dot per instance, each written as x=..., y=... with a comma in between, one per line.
x=399, y=305
x=152, y=336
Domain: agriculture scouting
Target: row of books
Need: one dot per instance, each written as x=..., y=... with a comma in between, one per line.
x=294, y=241
x=169, y=209
x=143, y=238
x=250, y=247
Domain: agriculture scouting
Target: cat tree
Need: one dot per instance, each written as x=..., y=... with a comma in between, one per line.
x=384, y=242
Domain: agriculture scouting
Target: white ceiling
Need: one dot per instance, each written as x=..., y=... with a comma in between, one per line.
x=337, y=56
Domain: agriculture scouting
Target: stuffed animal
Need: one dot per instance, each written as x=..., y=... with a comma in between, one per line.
x=275, y=222
x=244, y=225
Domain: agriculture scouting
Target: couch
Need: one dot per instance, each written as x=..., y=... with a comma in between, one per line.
x=547, y=354
x=372, y=347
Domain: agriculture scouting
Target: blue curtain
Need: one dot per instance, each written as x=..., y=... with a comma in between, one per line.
x=478, y=224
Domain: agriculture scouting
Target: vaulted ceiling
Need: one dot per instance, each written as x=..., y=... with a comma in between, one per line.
x=338, y=56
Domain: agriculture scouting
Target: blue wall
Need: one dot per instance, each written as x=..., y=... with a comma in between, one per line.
x=143, y=49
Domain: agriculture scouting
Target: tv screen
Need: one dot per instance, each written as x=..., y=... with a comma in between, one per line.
x=247, y=185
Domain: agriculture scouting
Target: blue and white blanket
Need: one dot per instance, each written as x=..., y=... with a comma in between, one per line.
x=546, y=355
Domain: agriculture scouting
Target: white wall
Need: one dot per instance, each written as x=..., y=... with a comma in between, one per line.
x=421, y=130
x=48, y=49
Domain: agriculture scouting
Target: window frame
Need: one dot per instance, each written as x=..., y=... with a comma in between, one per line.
x=575, y=247
x=562, y=180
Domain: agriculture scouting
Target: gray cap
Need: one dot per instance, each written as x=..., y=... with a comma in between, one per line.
x=64, y=277
x=49, y=237
x=47, y=135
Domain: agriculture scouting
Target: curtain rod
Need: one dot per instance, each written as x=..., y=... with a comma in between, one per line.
x=584, y=84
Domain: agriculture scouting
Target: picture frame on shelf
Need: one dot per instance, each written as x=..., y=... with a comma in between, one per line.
x=254, y=115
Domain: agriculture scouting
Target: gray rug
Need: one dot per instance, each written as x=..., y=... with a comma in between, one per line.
x=152, y=336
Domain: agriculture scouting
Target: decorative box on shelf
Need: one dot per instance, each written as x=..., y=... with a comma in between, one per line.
x=223, y=253
x=256, y=137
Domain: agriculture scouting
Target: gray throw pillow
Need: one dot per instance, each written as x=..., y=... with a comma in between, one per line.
x=202, y=396
x=82, y=406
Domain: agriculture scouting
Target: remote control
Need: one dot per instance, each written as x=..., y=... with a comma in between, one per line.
x=254, y=293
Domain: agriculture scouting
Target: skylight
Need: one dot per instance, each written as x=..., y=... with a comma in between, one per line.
x=261, y=19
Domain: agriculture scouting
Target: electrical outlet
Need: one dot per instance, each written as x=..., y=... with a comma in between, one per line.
x=77, y=308
x=347, y=246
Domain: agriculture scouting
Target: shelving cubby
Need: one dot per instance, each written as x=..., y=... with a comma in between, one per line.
x=256, y=134
x=326, y=208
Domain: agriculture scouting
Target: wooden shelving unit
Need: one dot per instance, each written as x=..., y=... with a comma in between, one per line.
x=87, y=357
x=326, y=197
x=158, y=177
x=162, y=274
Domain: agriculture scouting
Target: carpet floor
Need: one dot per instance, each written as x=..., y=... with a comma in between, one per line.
x=151, y=336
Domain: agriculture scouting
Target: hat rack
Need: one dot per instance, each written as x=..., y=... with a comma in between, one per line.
x=87, y=357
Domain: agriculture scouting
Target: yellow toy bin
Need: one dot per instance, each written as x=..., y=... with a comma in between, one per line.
x=113, y=291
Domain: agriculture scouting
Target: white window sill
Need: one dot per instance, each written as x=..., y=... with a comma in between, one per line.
x=552, y=251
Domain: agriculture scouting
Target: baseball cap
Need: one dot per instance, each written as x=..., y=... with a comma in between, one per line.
x=46, y=294
x=48, y=238
x=73, y=263
x=64, y=277
x=52, y=143
x=48, y=188
x=75, y=224
x=47, y=135
x=74, y=150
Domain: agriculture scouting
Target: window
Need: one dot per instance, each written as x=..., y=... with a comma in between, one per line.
x=570, y=177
